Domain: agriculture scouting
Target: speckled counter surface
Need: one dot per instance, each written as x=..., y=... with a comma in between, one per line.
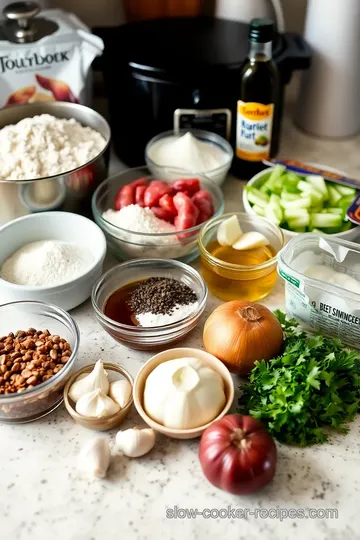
x=43, y=497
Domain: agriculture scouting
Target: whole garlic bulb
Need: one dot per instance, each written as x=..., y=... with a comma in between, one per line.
x=96, y=404
x=135, y=442
x=184, y=393
x=96, y=380
x=94, y=458
x=120, y=391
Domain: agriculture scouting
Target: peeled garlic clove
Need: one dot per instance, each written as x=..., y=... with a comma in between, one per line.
x=229, y=231
x=96, y=380
x=96, y=404
x=135, y=442
x=120, y=391
x=251, y=240
x=94, y=458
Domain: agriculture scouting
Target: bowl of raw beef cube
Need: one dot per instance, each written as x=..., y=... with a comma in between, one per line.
x=144, y=216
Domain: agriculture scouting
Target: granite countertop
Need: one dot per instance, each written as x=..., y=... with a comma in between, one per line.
x=42, y=494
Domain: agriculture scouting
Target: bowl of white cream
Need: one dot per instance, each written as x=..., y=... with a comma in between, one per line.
x=196, y=151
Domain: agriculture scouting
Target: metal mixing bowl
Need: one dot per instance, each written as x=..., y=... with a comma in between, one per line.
x=70, y=191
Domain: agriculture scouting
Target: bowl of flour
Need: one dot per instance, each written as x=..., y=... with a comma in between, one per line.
x=53, y=155
x=52, y=257
x=135, y=232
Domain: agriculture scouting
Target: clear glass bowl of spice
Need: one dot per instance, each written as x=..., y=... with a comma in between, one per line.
x=39, y=344
x=148, y=303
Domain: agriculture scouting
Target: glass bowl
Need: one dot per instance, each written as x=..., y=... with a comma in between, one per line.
x=230, y=281
x=217, y=175
x=148, y=338
x=125, y=244
x=47, y=396
x=99, y=424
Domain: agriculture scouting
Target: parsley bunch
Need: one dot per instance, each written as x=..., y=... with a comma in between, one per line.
x=312, y=387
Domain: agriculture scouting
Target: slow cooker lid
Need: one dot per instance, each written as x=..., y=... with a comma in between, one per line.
x=165, y=47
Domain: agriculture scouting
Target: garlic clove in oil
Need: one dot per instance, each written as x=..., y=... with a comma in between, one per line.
x=96, y=404
x=135, y=442
x=94, y=458
x=96, y=380
x=120, y=391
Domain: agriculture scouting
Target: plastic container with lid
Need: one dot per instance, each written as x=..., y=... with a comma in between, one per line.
x=333, y=308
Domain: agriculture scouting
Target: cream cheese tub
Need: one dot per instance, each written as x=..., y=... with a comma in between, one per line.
x=322, y=285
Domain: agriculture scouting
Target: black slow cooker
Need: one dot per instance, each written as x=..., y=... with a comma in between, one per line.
x=180, y=73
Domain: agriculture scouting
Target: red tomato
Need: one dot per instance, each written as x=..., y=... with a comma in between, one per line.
x=155, y=190
x=167, y=203
x=126, y=195
x=161, y=213
x=237, y=454
x=192, y=185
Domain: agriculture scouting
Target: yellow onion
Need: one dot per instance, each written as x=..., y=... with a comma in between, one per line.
x=239, y=333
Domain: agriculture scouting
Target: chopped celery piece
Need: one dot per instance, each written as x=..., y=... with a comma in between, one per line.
x=333, y=210
x=291, y=179
x=275, y=200
x=325, y=220
x=345, y=202
x=295, y=223
x=317, y=230
x=265, y=189
x=276, y=173
x=318, y=183
x=259, y=210
x=300, y=229
x=302, y=202
x=274, y=214
x=291, y=213
x=334, y=196
x=316, y=198
x=345, y=190
x=286, y=196
x=257, y=197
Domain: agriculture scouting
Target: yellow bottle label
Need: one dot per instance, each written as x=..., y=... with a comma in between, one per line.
x=253, y=130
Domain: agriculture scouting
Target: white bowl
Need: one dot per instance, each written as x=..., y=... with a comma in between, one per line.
x=63, y=226
x=259, y=179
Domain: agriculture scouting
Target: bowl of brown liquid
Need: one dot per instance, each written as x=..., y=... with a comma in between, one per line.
x=111, y=300
x=233, y=274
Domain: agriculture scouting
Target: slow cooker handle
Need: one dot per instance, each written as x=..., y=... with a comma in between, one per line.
x=295, y=55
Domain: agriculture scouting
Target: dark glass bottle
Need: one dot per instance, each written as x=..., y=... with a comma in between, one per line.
x=257, y=122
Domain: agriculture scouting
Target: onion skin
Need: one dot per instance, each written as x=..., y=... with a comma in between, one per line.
x=239, y=333
x=237, y=454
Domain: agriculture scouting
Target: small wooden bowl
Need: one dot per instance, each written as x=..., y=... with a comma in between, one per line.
x=172, y=354
x=98, y=424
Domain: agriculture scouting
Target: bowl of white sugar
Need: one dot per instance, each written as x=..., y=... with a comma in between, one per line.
x=195, y=150
x=52, y=257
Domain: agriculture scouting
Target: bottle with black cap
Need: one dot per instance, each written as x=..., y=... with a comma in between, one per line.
x=257, y=122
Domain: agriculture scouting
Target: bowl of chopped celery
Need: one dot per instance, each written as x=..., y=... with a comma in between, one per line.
x=300, y=204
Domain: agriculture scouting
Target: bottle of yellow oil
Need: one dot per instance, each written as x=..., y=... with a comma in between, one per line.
x=257, y=122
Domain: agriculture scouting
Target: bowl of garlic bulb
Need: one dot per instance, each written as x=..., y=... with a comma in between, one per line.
x=99, y=396
x=180, y=392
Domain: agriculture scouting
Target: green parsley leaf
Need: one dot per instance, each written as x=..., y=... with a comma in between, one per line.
x=313, y=387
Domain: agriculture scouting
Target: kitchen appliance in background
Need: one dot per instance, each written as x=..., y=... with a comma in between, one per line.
x=246, y=10
x=328, y=101
x=178, y=73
